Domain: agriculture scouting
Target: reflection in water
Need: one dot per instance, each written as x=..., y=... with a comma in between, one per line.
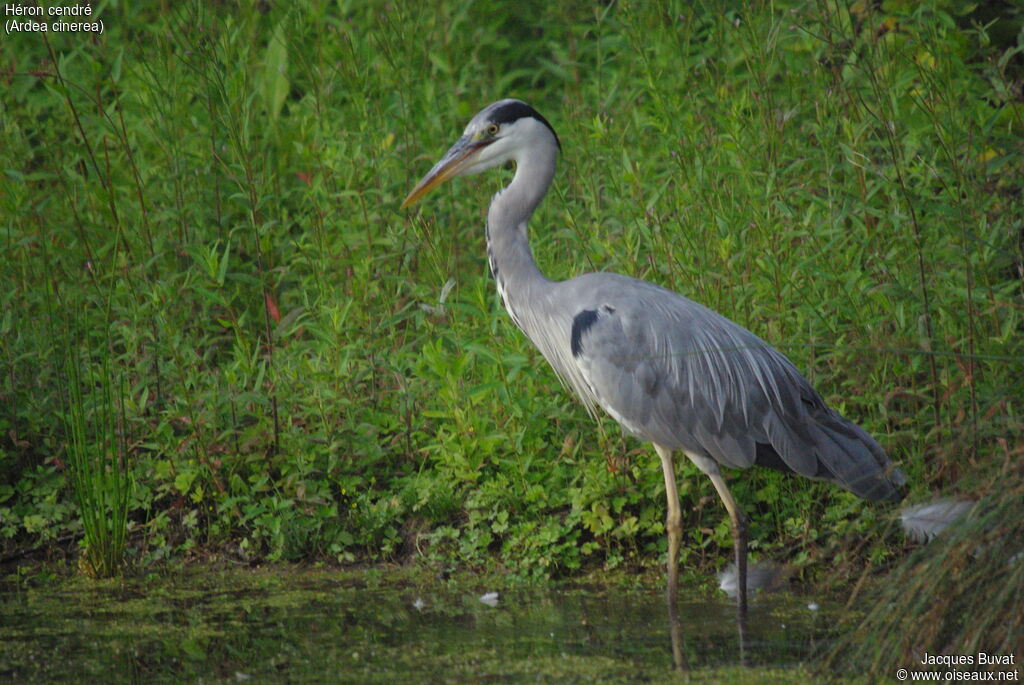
x=369, y=628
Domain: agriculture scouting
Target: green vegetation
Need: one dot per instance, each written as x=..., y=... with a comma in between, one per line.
x=210, y=192
x=965, y=589
x=97, y=467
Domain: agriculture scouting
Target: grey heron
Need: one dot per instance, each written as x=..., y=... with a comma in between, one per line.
x=669, y=370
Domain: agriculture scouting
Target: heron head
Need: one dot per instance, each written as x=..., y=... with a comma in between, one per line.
x=494, y=136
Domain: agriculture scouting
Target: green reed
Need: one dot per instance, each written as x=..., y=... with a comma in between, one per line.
x=97, y=463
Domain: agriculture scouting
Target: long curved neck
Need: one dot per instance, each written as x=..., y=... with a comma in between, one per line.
x=508, y=244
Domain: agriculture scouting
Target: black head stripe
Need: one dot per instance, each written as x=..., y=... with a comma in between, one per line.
x=513, y=110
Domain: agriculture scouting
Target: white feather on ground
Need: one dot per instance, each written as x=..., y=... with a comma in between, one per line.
x=922, y=522
x=765, y=576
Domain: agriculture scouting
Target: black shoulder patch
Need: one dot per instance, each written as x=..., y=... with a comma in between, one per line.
x=513, y=110
x=580, y=324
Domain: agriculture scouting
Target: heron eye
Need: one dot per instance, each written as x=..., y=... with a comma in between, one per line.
x=492, y=130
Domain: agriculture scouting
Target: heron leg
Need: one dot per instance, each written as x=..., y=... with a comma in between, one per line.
x=739, y=534
x=674, y=529
x=673, y=521
x=739, y=539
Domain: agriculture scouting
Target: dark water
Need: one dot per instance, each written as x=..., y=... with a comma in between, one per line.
x=382, y=627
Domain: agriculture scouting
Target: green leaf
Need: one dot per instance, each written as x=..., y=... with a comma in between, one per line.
x=183, y=481
x=275, y=73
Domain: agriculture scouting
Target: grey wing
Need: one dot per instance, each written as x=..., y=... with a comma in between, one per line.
x=678, y=374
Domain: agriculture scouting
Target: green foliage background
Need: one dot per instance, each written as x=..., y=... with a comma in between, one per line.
x=206, y=195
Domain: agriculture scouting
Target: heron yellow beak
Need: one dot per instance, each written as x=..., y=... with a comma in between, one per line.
x=458, y=157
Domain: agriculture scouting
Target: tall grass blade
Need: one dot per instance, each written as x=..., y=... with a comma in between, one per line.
x=959, y=594
x=97, y=462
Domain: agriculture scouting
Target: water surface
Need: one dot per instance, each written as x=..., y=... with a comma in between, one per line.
x=383, y=626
